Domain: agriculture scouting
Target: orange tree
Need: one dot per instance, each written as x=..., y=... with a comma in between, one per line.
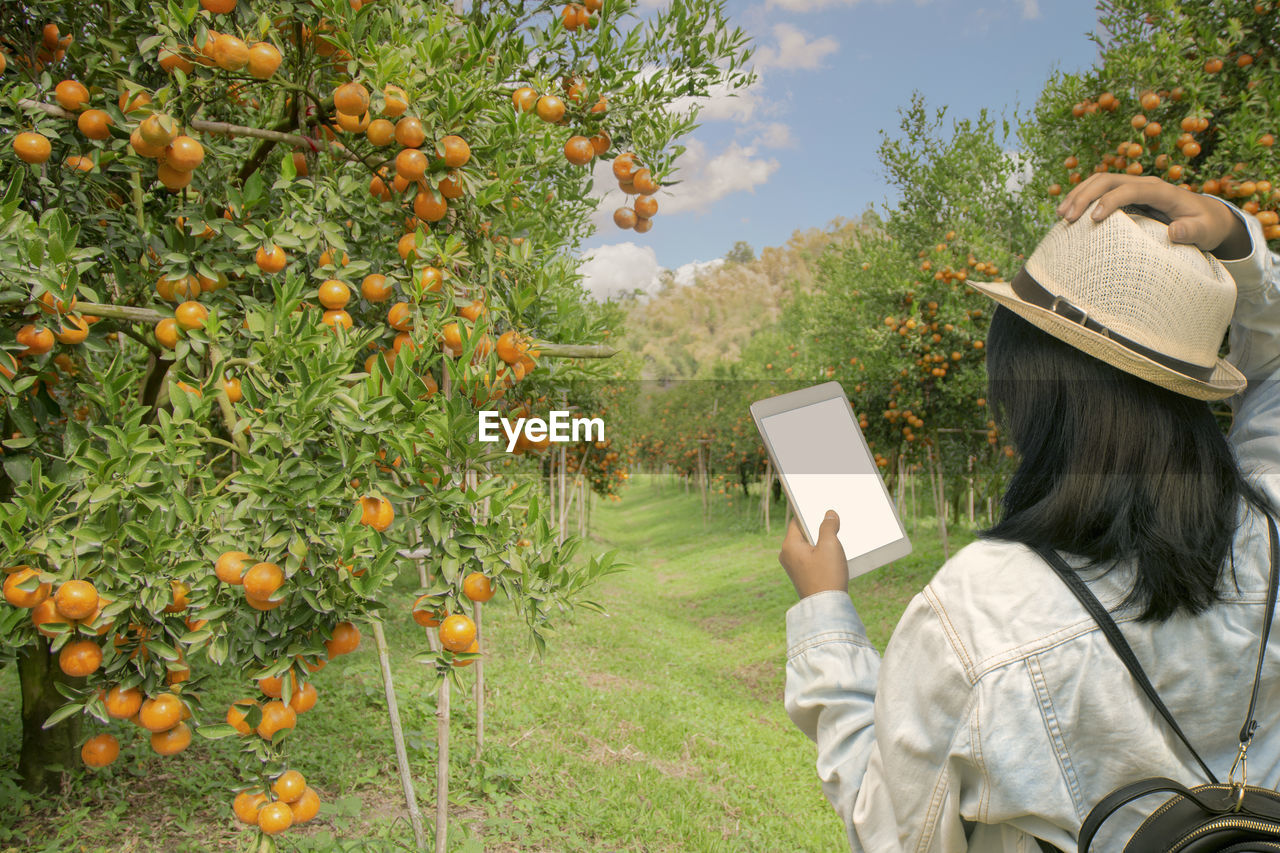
x=262, y=262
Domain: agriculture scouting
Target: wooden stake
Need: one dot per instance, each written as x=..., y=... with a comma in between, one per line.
x=479, y=688
x=397, y=735
x=442, y=766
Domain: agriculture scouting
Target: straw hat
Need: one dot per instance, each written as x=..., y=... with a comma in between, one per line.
x=1123, y=292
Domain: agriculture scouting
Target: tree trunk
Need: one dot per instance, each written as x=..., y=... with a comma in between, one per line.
x=45, y=752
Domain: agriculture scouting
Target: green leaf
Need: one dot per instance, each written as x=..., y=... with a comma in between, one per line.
x=216, y=731
x=68, y=710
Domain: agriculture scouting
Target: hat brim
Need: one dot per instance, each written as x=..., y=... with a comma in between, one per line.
x=1226, y=380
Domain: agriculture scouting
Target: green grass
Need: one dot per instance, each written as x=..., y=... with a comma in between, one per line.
x=656, y=727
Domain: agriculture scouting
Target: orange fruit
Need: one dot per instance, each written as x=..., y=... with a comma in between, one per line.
x=167, y=333
x=304, y=698
x=95, y=124
x=408, y=246
x=32, y=147
x=44, y=613
x=276, y=716
x=409, y=132
x=455, y=151
x=137, y=101
x=157, y=130
x=411, y=164
x=160, y=713
x=400, y=317
x=236, y=715
x=172, y=179
x=428, y=206
x=600, y=142
x=376, y=512
x=171, y=741
x=170, y=61
x=37, y=340
x=550, y=108
x=457, y=632
x=524, y=99
x=351, y=98
x=230, y=53
x=275, y=818
x=218, y=7
x=328, y=259
x=122, y=704
x=644, y=183
x=247, y=806
x=579, y=151
x=144, y=148
x=646, y=207
x=178, y=589
x=271, y=260
x=624, y=166
x=191, y=315
x=76, y=600
x=264, y=59
x=450, y=186
x=380, y=132
x=353, y=124
x=471, y=649
x=334, y=318
x=477, y=587
x=100, y=750
x=80, y=658
x=184, y=154
x=376, y=288
x=306, y=807
x=395, y=101
x=289, y=786
x=262, y=580
x=75, y=333
x=425, y=618
x=234, y=392
x=346, y=639
x=20, y=598
x=71, y=95
x=334, y=293
x=624, y=217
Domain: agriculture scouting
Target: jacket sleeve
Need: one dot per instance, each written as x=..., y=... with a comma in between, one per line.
x=1255, y=351
x=893, y=741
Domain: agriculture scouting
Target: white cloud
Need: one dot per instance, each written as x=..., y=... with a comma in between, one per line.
x=722, y=102
x=776, y=135
x=815, y=5
x=1030, y=9
x=685, y=274
x=620, y=268
x=795, y=50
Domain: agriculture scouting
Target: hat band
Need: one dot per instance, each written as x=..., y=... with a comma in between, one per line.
x=1031, y=291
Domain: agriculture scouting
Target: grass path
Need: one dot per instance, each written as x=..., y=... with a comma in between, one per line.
x=657, y=726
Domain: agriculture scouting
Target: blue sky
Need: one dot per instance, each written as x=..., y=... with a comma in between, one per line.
x=798, y=149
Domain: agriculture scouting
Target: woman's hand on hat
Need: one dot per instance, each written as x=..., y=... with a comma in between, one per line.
x=815, y=568
x=1203, y=222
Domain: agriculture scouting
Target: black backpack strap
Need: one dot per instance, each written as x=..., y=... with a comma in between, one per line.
x=1118, y=642
x=1250, y=724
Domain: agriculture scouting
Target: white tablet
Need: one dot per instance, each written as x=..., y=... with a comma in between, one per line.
x=824, y=463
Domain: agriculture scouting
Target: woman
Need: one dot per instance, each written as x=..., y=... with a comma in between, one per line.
x=999, y=715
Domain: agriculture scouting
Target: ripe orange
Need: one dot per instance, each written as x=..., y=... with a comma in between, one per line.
x=400, y=317
x=432, y=280
x=579, y=151
x=457, y=632
x=380, y=132
x=304, y=698
x=236, y=715
x=76, y=600
x=264, y=59
x=128, y=104
x=44, y=613
x=122, y=704
x=624, y=167
x=20, y=598
x=262, y=580
x=351, y=98
x=455, y=151
x=218, y=7
x=395, y=101
x=346, y=639
x=452, y=338
x=157, y=130
x=376, y=288
x=100, y=750
x=624, y=217
x=184, y=154
x=471, y=649
x=172, y=179
x=428, y=206
x=334, y=294
x=450, y=186
x=646, y=207
x=80, y=658
x=272, y=260
x=524, y=99
x=247, y=806
x=178, y=589
x=289, y=786
x=426, y=618
x=160, y=713
x=276, y=716
x=230, y=53
x=275, y=818
x=75, y=333
x=411, y=164
x=550, y=108
x=334, y=318
x=32, y=147
x=306, y=807
x=71, y=95
x=95, y=124
x=170, y=61
x=600, y=142
x=171, y=741
x=191, y=315
x=407, y=246
x=167, y=333
x=409, y=132
x=353, y=124
x=477, y=587
x=234, y=392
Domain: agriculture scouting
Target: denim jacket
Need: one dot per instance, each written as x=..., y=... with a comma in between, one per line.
x=999, y=714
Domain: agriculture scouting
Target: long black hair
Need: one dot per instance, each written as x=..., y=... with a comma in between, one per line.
x=1113, y=468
